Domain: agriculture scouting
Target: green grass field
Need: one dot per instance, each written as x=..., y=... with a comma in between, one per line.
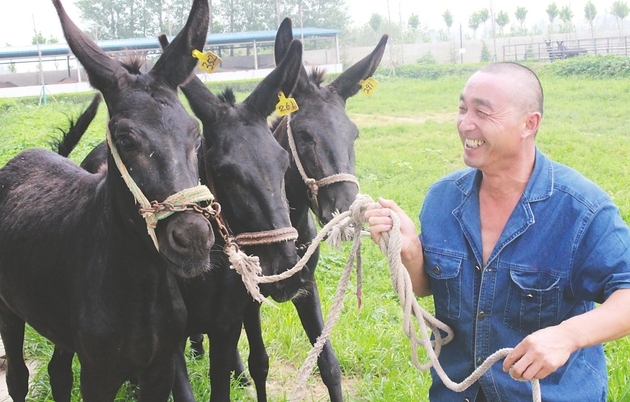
x=407, y=141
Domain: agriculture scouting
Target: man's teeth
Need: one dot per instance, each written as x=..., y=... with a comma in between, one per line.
x=474, y=143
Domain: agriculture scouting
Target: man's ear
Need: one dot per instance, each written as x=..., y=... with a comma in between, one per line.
x=532, y=124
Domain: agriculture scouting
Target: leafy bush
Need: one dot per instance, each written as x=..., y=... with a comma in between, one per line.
x=607, y=66
x=431, y=71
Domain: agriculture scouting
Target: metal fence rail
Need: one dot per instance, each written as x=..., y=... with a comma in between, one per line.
x=554, y=50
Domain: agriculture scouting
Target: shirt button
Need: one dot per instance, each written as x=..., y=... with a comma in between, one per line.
x=479, y=361
x=481, y=315
x=466, y=400
x=530, y=296
x=477, y=267
x=437, y=270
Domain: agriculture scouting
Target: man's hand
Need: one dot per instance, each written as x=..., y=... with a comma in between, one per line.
x=540, y=353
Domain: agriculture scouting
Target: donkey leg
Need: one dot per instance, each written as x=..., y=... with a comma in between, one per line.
x=156, y=382
x=196, y=345
x=223, y=347
x=258, y=357
x=12, y=332
x=310, y=311
x=98, y=383
x=182, y=390
x=60, y=373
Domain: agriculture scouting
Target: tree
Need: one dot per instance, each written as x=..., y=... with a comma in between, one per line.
x=414, y=22
x=521, y=14
x=620, y=10
x=40, y=39
x=589, y=13
x=116, y=19
x=448, y=20
x=375, y=21
x=566, y=15
x=502, y=20
x=485, y=53
x=484, y=15
x=552, y=13
x=473, y=23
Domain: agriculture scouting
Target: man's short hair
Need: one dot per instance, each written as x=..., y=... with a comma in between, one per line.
x=530, y=87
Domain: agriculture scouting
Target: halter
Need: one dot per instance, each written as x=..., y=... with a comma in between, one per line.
x=154, y=211
x=313, y=184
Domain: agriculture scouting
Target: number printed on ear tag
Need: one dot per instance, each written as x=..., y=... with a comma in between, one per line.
x=208, y=61
x=368, y=86
x=286, y=105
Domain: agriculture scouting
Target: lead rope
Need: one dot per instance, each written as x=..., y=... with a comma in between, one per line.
x=390, y=245
x=153, y=212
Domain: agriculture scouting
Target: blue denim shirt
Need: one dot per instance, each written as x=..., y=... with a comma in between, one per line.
x=564, y=247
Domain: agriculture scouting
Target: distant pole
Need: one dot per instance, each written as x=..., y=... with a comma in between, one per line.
x=402, y=40
x=301, y=23
x=461, y=44
x=494, y=32
x=42, y=95
x=391, y=57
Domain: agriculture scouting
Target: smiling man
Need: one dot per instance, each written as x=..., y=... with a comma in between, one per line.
x=517, y=250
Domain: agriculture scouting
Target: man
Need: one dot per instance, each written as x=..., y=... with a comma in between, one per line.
x=516, y=250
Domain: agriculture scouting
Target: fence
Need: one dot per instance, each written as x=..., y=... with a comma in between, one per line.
x=553, y=50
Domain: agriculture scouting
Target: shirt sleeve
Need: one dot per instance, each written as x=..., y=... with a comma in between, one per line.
x=601, y=263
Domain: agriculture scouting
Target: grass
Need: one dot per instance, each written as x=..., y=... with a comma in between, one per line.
x=407, y=141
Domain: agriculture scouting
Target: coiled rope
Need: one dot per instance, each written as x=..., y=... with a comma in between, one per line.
x=352, y=221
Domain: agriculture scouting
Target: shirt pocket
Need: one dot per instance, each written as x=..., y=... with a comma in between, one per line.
x=446, y=283
x=533, y=300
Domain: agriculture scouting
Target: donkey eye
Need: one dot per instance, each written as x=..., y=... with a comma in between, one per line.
x=306, y=136
x=125, y=142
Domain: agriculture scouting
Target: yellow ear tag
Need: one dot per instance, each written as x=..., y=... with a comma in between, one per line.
x=285, y=105
x=368, y=86
x=208, y=61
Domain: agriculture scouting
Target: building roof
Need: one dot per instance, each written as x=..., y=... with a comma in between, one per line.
x=117, y=45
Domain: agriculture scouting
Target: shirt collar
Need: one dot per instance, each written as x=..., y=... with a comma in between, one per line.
x=539, y=187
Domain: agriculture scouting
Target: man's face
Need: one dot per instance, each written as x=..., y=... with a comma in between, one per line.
x=489, y=122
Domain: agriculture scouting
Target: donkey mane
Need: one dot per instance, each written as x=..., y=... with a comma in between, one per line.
x=133, y=62
x=227, y=96
x=317, y=76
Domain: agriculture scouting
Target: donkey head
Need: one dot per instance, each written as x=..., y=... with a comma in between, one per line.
x=154, y=135
x=324, y=135
x=245, y=166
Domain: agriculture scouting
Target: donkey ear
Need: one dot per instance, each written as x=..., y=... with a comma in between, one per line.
x=347, y=84
x=177, y=62
x=201, y=100
x=103, y=72
x=283, y=39
x=282, y=79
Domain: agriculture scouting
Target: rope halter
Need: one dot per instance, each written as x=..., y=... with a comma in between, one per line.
x=248, y=266
x=313, y=184
x=154, y=211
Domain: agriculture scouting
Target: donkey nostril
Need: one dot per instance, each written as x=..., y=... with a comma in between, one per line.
x=179, y=239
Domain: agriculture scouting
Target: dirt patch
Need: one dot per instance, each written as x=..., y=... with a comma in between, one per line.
x=282, y=382
x=379, y=120
x=7, y=84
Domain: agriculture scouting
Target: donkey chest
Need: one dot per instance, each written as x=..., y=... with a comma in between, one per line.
x=135, y=332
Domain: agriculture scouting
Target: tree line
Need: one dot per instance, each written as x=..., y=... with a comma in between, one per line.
x=118, y=19
x=564, y=14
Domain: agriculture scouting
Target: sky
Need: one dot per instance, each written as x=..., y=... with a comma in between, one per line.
x=16, y=24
